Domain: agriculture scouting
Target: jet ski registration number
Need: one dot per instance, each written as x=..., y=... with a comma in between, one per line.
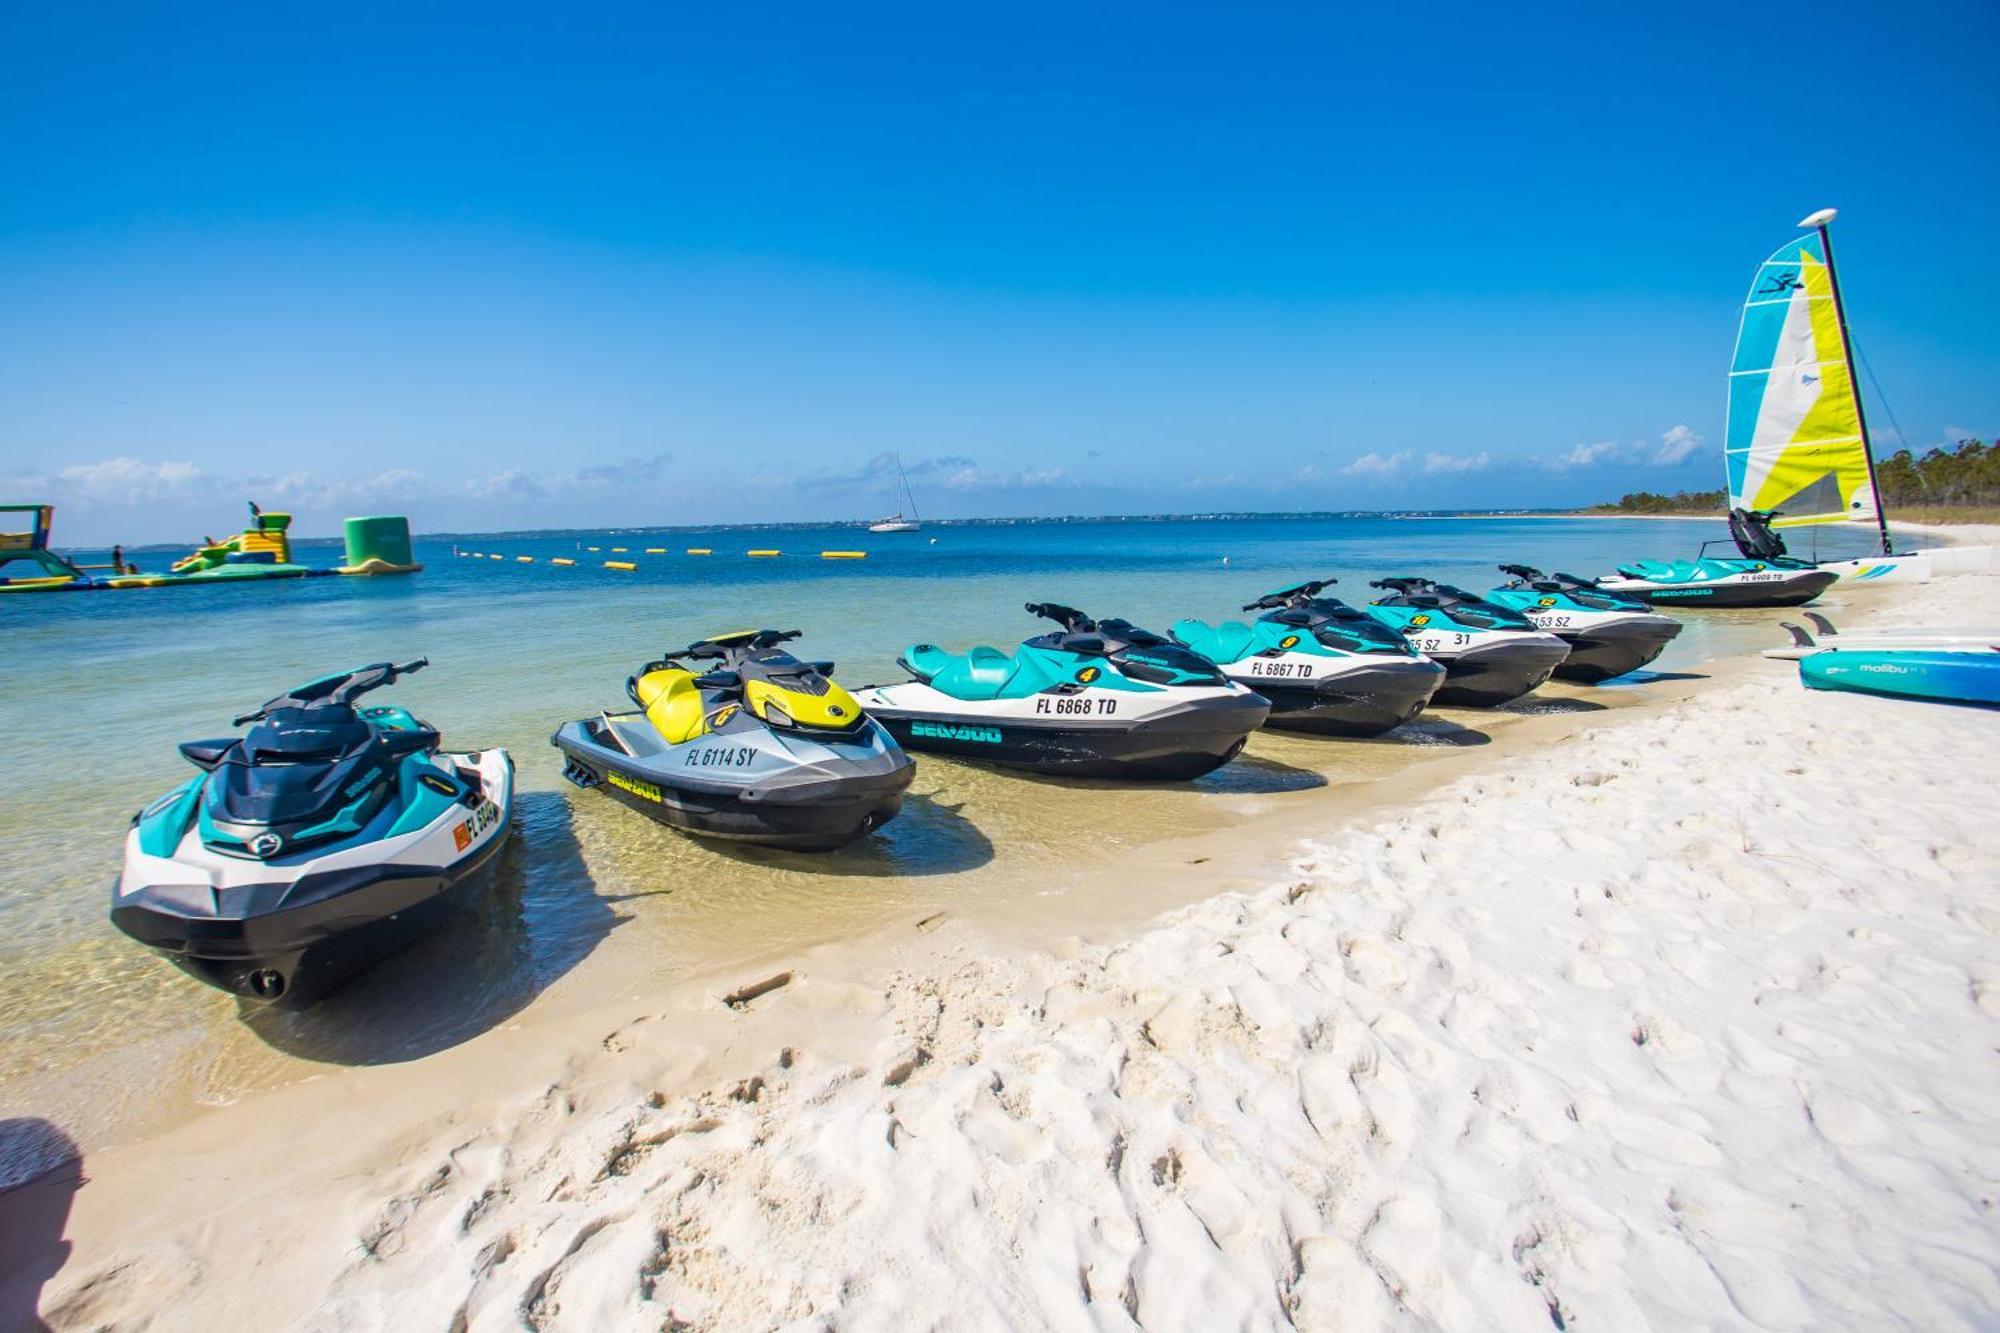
x=1431, y=643
x=1295, y=670
x=1550, y=621
x=1063, y=705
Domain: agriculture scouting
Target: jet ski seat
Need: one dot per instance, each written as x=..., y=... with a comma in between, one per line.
x=1665, y=571
x=673, y=704
x=981, y=674
x=1231, y=641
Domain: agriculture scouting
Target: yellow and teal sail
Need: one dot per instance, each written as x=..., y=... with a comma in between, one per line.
x=1797, y=440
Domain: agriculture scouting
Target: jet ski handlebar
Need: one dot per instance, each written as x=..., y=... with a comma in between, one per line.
x=1525, y=573
x=731, y=646
x=1272, y=601
x=344, y=688
x=1403, y=585
x=1071, y=619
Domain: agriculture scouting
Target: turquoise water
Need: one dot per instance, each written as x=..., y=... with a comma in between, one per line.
x=101, y=686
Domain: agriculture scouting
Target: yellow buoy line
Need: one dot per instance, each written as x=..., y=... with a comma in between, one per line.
x=756, y=553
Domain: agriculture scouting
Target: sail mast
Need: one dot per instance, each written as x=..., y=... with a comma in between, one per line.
x=908, y=498
x=1818, y=223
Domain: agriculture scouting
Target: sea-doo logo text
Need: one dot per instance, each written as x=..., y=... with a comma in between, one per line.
x=732, y=756
x=266, y=845
x=950, y=731
x=633, y=785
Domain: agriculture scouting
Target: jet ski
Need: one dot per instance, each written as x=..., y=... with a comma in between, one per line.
x=733, y=737
x=1764, y=576
x=1097, y=699
x=1608, y=635
x=1490, y=654
x=323, y=839
x=1325, y=666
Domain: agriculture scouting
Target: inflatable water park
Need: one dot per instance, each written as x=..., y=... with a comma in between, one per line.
x=262, y=550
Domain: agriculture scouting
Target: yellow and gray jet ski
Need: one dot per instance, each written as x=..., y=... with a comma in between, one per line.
x=733, y=737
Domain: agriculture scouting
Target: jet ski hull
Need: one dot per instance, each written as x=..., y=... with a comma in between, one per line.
x=804, y=814
x=245, y=927
x=1487, y=675
x=291, y=959
x=1789, y=588
x=1172, y=747
x=1599, y=653
x=1361, y=701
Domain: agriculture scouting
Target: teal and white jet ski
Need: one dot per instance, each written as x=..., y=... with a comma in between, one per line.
x=1100, y=699
x=1608, y=634
x=1490, y=654
x=320, y=841
x=1764, y=575
x=1325, y=666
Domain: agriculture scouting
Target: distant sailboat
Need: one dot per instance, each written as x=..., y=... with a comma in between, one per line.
x=898, y=523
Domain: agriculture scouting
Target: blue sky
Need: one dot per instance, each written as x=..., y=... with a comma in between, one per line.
x=509, y=267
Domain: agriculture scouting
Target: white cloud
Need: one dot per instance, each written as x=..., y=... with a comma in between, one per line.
x=1676, y=446
x=1377, y=465
x=1435, y=462
x=122, y=481
x=1584, y=455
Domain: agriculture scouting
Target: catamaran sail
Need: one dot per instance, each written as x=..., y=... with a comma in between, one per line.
x=1797, y=441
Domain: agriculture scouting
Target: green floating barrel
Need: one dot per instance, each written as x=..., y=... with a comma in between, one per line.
x=379, y=546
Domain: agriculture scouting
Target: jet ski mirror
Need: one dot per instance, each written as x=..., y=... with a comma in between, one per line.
x=205, y=755
x=1071, y=619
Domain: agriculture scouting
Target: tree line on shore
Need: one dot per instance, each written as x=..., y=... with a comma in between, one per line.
x=1964, y=475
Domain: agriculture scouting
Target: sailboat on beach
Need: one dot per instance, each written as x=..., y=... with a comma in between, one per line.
x=897, y=522
x=1796, y=450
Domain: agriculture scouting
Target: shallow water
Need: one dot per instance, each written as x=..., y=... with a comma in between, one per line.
x=592, y=899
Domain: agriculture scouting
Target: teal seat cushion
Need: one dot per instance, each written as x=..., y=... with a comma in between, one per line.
x=986, y=673
x=982, y=673
x=1230, y=641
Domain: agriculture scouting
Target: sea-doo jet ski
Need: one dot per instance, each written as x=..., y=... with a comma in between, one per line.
x=1101, y=699
x=1764, y=576
x=320, y=841
x=1608, y=635
x=1490, y=654
x=1325, y=666
x=750, y=744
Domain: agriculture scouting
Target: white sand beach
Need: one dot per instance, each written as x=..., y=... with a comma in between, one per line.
x=1684, y=1019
